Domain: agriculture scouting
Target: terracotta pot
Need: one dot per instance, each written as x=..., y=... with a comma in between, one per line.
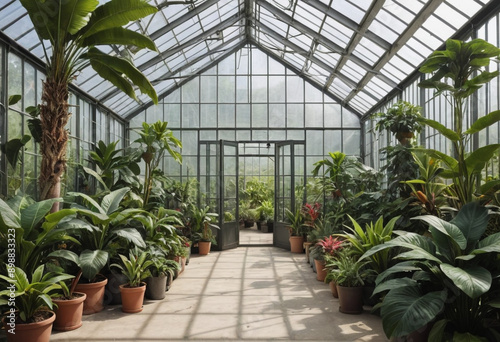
x=69, y=312
x=204, y=247
x=333, y=288
x=156, y=287
x=320, y=270
x=350, y=299
x=32, y=332
x=132, y=298
x=296, y=243
x=95, y=296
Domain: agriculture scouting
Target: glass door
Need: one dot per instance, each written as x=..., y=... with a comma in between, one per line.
x=218, y=188
x=289, y=186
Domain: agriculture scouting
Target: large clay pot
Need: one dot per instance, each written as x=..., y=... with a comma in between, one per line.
x=204, y=247
x=156, y=287
x=69, y=312
x=113, y=295
x=320, y=270
x=296, y=244
x=95, y=296
x=132, y=298
x=350, y=299
x=333, y=288
x=32, y=332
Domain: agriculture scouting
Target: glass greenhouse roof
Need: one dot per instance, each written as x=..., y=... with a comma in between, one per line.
x=356, y=51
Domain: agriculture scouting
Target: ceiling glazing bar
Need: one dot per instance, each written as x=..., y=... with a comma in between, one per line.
x=417, y=22
x=347, y=22
x=161, y=96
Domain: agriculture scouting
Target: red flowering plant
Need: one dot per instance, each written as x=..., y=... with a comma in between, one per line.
x=311, y=213
x=327, y=246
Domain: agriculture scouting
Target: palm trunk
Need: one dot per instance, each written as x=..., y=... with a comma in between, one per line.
x=54, y=116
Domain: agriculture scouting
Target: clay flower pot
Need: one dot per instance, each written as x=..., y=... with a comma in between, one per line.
x=132, y=298
x=320, y=270
x=204, y=247
x=32, y=332
x=95, y=296
x=69, y=312
x=296, y=244
x=350, y=299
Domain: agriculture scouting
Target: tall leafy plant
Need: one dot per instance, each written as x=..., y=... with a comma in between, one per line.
x=70, y=32
x=458, y=72
x=156, y=139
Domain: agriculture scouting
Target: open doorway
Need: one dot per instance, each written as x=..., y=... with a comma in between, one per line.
x=250, y=184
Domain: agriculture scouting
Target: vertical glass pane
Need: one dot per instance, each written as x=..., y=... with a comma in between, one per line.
x=259, y=115
x=226, y=116
x=173, y=114
x=295, y=115
x=259, y=62
x=277, y=115
x=208, y=89
x=243, y=115
x=29, y=98
x=190, y=116
x=190, y=91
x=351, y=142
x=259, y=88
x=314, y=115
x=226, y=89
x=294, y=89
x=15, y=77
x=277, y=89
x=242, y=89
x=208, y=115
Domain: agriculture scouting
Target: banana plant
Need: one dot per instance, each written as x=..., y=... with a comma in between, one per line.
x=459, y=71
x=71, y=32
x=99, y=227
x=450, y=278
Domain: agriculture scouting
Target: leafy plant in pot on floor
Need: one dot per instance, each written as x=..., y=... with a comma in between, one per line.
x=449, y=281
x=326, y=247
x=201, y=222
x=69, y=310
x=31, y=320
x=295, y=226
x=135, y=268
x=161, y=276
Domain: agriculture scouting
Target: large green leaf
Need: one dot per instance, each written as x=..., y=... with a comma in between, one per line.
x=13, y=147
x=450, y=134
x=33, y=215
x=92, y=262
x=111, y=202
x=55, y=19
x=117, y=13
x=394, y=283
x=490, y=244
x=467, y=337
x=120, y=36
x=472, y=220
x=477, y=160
x=446, y=228
x=407, y=309
x=8, y=217
x=66, y=254
x=112, y=66
x=90, y=200
x=131, y=235
x=484, y=122
x=473, y=280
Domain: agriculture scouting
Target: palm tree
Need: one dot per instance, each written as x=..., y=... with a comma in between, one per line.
x=69, y=31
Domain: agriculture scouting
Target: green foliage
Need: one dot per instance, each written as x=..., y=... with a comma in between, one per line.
x=402, y=117
x=75, y=27
x=201, y=221
x=345, y=269
x=135, y=267
x=361, y=240
x=296, y=221
x=101, y=229
x=265, y=212
x=459, y=71
x=400, y=167
x=451, y=277
x=32, y=297
x=155, y=140
x=36, y=231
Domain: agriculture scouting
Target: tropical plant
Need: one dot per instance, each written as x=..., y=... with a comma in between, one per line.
x=296, y=222
x=450, y=279
x=70, y=31
x=155, y=140
x=99, y=228
x=201, y=221
x=163, y=266
x=402, y=119
x=459, y=71
x=135, y=268
x=31, y=296
x=345, y=269
x=327, y=246
x=265, y=211
x=400, y=167
x=35, y=231
x=361, y=240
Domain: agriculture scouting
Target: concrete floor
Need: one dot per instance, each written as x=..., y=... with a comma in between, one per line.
x=253, y=236
x=245, y=294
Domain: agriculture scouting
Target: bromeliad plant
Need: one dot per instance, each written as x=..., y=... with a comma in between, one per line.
x=450, y=279
x=458, y=72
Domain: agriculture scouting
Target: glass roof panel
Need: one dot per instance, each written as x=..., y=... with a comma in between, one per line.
x=193, y=35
